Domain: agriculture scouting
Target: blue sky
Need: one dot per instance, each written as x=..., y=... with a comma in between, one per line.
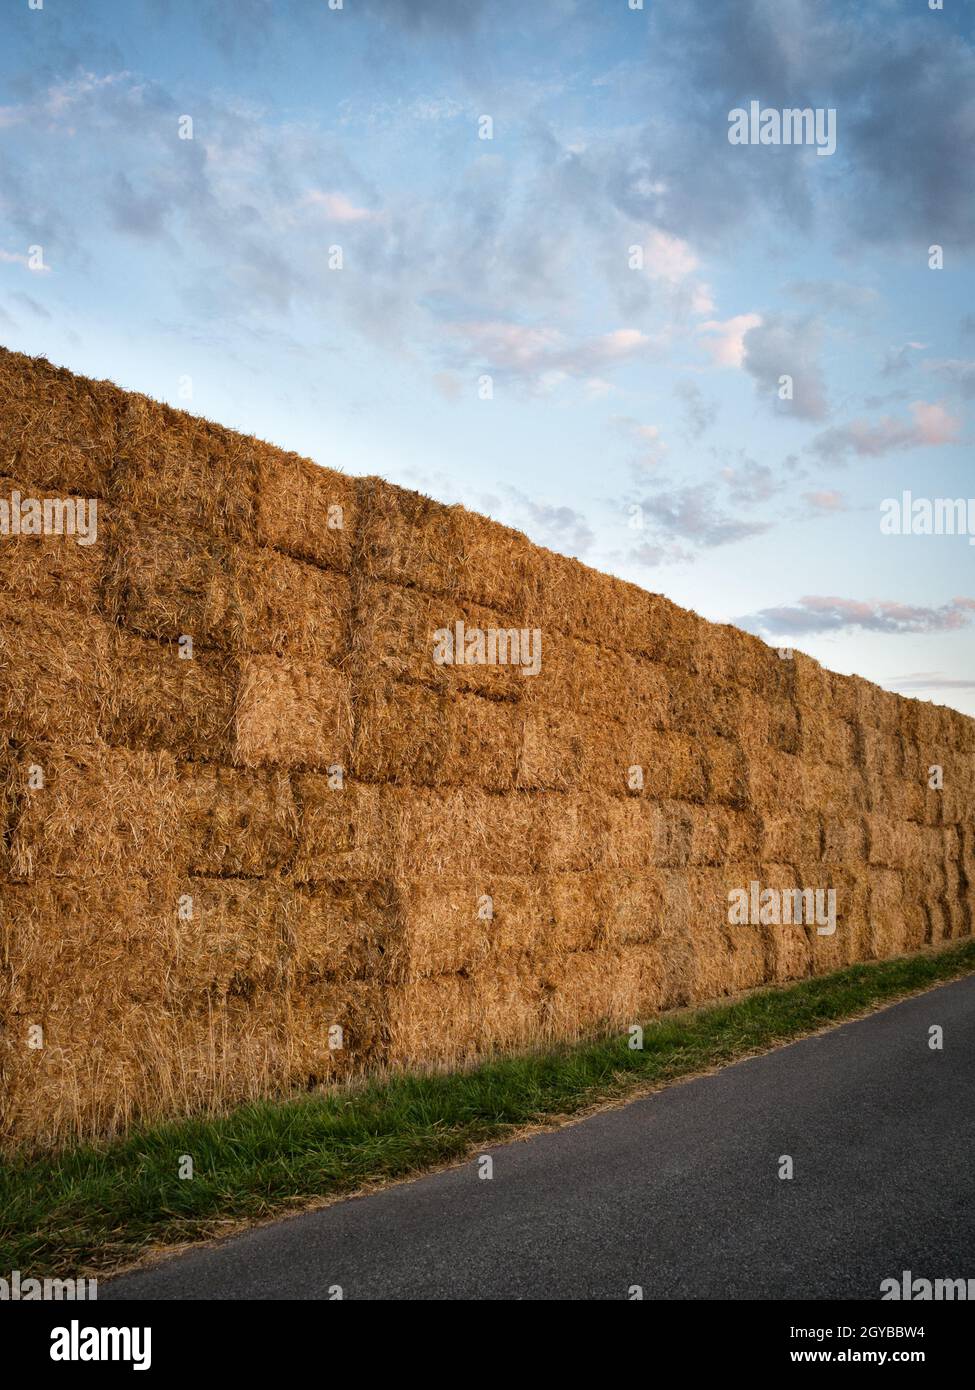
x=635, y=418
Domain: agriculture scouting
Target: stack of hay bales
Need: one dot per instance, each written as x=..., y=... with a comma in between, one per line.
x=255, y=836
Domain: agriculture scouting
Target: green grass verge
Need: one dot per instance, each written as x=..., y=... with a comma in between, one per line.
x=96, y=1207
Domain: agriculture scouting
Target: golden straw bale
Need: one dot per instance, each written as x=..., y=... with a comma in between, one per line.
x=702, y=708
x=775, y=781
x=303, y=509
x=788, y=944
x=334, y=1028
x=888, y=924
x=291, y=714
x=233, y=821
x=892, y=844
x=406, y=538
x=158, y=700
x=843, y=841
x=232, y=936
x=184, y=470
x=883, y=754
x=55, y=666
x=842, y=697
x=840, y=791
x=722, y=835
x=825, y=739
x=105, y=941
x=726, y=765
x=90, y=810
x=63, y=570
x=173, y=582
x=789, y=837
x=153, y=1063
x=408, y=734
x=57, y=430
x=726, y=957
x=602, y=988
x=432, y=1020
x=344, y=929
x=400, y=631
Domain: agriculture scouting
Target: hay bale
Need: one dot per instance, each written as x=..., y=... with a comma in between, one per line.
x=433, y=1020
x=395, y=634
x=344, y=929
x=726, y=767
x=892, y=844
x=888, y=926
x=411, y=735
x=184, y=470
x=57, y=430
x=823, y=738
x=606, y=988
x=843, y=841
x=721, y=835
x=150, y=697
x=788, y=838
x=292, y=715
x=235, y=822
x=55, y=667
x=788, y=946
x=334, y=1029
x=303, y=509
x=701, y=708
x=54, y=570
x=171, y=582
x=97, y=810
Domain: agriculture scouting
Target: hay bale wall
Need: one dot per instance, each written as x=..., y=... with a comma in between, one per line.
x=255, y=837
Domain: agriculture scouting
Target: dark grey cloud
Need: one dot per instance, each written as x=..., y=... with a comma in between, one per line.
x=814, y=614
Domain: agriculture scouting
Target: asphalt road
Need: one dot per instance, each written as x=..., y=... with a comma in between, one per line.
x=678, y=1193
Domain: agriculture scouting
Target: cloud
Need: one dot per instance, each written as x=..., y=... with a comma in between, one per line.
x=336, y=207
x=836, y=295
x=724, y=340
x=544, y=357
x=561, y=528
x=751, y=482
x=930, y=680
x=956, y=372
x=698, y=411
x=813, y=614
x=825, y=502
x=648, y=439
x=691, y=513
x=781, y=346
x=31, y=304
x=897, y=360
x=933, y=426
